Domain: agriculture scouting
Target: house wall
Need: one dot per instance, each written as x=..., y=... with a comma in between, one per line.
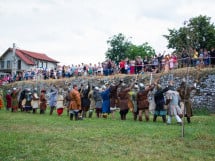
x=46, y=65
x=9, y=57
x=24, y=67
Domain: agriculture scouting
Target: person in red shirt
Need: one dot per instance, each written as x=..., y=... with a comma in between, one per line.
x=122, y=66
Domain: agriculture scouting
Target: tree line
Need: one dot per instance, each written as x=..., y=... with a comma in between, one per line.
x=195, y=33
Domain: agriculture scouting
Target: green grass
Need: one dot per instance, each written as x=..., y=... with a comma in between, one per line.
x=36, y=137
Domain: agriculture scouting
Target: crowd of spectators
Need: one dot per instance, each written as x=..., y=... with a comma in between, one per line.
x=156, y=64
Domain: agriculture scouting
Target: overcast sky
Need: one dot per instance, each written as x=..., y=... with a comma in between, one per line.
x=76, y=31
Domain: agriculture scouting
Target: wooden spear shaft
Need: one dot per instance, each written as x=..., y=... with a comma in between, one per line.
x=183, y=127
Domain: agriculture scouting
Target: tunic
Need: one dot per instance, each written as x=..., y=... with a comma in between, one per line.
x=142, y=99
x=123, y=99
x=106, y=101
x=75, y=103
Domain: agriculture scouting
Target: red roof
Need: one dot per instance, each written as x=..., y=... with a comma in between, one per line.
x=24, y=58
x=24, y=55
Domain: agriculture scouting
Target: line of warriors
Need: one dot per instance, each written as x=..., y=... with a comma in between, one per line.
x=107, y=99
x=30, y=100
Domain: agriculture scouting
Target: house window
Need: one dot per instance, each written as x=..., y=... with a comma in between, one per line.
x=19, y=65
x=8, y=64
x=2, y=64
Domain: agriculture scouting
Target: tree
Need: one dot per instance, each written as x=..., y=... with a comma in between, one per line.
x=121, y=47
x=197, y=33
x=118, y=47
x=140, y=50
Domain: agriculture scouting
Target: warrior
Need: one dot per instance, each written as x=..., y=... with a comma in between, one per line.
x=151, y=99
x=43, y=101
x=21, y=98
x=14, y=96
x=113, y=97
x=184, y=92
x=142, y=101
x=1, y=100
x=123, y=99
x=159, y=103
x=8, y=100
x=75, y=104
x=35, y=101
x=53, y=99
x=28, y=99
x=85, y=102
x=59, y=105
x=133, y=98
x=92, y=101
x=172, y=100
x=67, y=101
x=105, y=94
x=98, y=101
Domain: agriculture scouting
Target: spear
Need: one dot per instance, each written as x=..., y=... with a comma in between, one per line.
x=150, y=79
x=187, y=74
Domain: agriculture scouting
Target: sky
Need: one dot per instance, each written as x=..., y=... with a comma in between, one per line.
x=76, y=31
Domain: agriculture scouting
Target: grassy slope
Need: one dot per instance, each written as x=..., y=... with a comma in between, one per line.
x=42, y=137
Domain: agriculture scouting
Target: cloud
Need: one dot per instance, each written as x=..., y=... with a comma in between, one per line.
x=75, y=31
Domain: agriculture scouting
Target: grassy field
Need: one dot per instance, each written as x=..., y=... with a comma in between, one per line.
x=35, y=137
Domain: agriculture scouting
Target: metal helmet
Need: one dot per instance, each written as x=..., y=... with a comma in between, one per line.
x=136, y=86
x=8, y=91
x=28, y=89
x=123, y=84
x=103, y=87
x=141, y=85
x=159, y=87
x=97, y=88
x=86, y=87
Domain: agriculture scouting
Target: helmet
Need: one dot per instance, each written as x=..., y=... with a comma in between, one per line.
x=103, y=87
x=97, y=88
x=136, y=86
x=107, y=84
x=123, y=84
x=141, y=85
x=28, y=89
x=8, y=91
x=159, y=86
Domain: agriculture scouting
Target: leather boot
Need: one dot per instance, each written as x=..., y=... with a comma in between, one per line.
x=97, y=114
x=71, y=116
x=135, y=117
x=188, y=120
x=164, y=119
x=124, y=117
x=147, y=119
x=76, y=116
x=154, y=118
x=121, y=116
x=140, y=118
x=90, y=114
x=51, y=110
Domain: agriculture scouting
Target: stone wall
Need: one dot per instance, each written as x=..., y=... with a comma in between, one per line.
x=203, y=97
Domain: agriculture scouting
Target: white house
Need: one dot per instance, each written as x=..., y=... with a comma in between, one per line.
x=24, y=60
